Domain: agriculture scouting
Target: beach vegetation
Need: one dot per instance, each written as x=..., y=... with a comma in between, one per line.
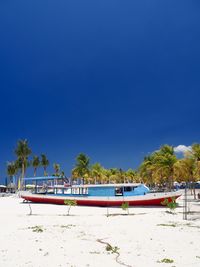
x=158, y=167
x=70, y=203
x=164, y=161
x=167, y=224
x=125, y=207
x=37, y=229
x=56, y=167
x=170, y=204
x=44, y=163
x=166, y=260
x=35, y=163
x=112, y=249
x=96, y=172
x=22, y=152
x=12, y=170
x=82, y=167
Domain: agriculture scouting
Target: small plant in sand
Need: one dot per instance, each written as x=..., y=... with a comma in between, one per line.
x=69, y=226
x=112, y=249
x=167, y=224
x=70, y=203
x=125, y=207
x=37, y=229
x=171, y=205
x=166, y=260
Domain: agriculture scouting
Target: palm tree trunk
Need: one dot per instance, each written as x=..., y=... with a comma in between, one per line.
x=191, y=186
x=170, y=183
x=45, y=173
x=171, y=179
x=194, y=191
x=35, y=170
x=22, y=177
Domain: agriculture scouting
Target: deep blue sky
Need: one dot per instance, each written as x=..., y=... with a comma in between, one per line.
x=114, y=79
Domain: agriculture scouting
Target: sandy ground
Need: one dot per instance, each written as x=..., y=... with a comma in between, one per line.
x=144, y=238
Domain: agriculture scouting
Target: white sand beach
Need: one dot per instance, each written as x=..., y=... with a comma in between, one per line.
x=144, y=238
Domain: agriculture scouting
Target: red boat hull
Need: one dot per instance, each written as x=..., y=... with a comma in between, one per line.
x=154, y=201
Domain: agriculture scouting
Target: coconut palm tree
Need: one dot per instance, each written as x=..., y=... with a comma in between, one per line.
x=184, y=169
x=56, y=167
x=62, y=174
x=35, y=163
x=22, y=152
x=121, y=176
x=114, y=175
x=106, y=174
x=147, y=169
x=197, y=171
x=196, y=151
x=11, y=170
x=44, y=163
x=82, y=168
x=131, y=175
x=196, y=155
x=96, y=172
x=163, y=162
x=18, y=163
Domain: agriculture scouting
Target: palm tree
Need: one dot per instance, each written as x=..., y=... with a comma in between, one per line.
x=158, y=168
x=81, y=169
x=166, y=149
x=62, y=174
x=164, y=161
x=56, y=169
x=122, y=176
x=146, y=170
x=96, y=172
x=44, y=163
x=23, y=152
x=184, y=169
x=114, y=175
x=106, y=174
x=35, y=163
x=11, y=170
x=196, y=156
x=131, y=175
x=18, y=163
x=196, y=151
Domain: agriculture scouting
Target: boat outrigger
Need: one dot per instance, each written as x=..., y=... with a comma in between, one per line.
x=55, y=190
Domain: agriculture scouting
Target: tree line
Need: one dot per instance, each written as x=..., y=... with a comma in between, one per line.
x=160, y=168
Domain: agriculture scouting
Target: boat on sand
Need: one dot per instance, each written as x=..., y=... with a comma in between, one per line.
x=50, y=190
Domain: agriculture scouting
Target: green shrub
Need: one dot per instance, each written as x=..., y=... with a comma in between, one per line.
x=171, y=205
x=125, y=207
x=37, y=229
x=166, y=260
x=112, y=249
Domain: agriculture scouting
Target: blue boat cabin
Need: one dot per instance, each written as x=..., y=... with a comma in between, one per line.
x=58, y=186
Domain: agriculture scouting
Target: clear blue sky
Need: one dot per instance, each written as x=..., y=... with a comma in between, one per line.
x=114, y=79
